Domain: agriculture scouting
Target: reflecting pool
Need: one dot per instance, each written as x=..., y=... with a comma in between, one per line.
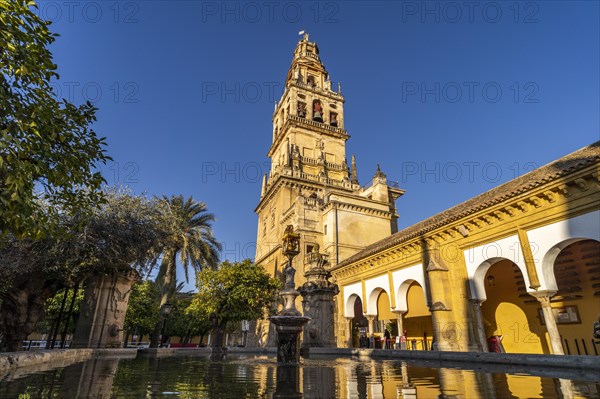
x=245, y=376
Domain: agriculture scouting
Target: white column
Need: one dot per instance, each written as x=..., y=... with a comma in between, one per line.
x=371, y=319
x=400, y=321
x=544, y=298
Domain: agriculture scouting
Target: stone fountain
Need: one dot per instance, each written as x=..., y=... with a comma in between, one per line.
x=289, y=322
x=317, y=302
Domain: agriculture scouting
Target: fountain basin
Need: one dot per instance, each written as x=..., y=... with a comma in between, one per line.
x=288, y=337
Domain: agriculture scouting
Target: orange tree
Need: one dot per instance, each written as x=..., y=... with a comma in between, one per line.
x=49, y=152
x=233, y=292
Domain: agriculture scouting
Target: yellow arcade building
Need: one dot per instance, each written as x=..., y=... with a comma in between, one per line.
x=520, y=262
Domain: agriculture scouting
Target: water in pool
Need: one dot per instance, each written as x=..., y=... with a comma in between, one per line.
x=244, y=376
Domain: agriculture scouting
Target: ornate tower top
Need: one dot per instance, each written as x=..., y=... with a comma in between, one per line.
x=306, y=63
x=308, y=124
x=307, y=68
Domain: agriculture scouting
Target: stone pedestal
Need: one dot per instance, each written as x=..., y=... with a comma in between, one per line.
x=102, y=314
x=317, y=303
x=289, y=321
x=288, y=337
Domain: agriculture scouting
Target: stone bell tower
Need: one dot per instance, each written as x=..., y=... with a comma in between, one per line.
x=310, y=185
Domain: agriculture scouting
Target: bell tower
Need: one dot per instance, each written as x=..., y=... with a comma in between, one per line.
x=310, y=185
x=308, y=122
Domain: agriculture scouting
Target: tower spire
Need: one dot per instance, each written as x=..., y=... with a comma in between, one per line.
x=354, y=176
x=379, y=173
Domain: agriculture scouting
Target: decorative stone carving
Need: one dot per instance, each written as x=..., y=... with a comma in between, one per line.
x=435, y=266
x=439, y=305
x=317, y=293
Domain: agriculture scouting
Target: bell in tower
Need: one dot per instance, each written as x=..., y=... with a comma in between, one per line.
x=301, y=109
x=317, y=111
x=333, y=119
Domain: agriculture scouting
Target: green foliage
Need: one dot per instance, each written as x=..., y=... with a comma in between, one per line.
x=52, y=310
x=234, y=292
x=184, y=322
x=48, y=151
x=143, y=308
x=123, y=233
x=143, y=312
x=127, y=231
x=189, y=227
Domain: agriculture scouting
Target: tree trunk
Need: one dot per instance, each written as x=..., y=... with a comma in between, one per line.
x=168, y=290
x=186, y=339
x=218, y=332
x=169, y=277
x=154, y=337
x=21, y=309
x=126, y=340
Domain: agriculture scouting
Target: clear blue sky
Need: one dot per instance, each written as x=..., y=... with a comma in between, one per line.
x=450, y=98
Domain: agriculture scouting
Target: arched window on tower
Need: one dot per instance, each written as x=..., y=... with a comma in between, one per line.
x=333, y=121
x=311, y=81
x=317, y=111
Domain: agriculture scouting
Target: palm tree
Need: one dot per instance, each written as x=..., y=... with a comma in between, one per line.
x=190, y=237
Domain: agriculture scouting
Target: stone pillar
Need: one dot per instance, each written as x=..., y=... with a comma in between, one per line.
x=478, y=324
x=400, y=321
x=440, y=305
x=317, y=303
x=544, y=298
x=102, y=315
x=371, y=319
x=349, y=342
